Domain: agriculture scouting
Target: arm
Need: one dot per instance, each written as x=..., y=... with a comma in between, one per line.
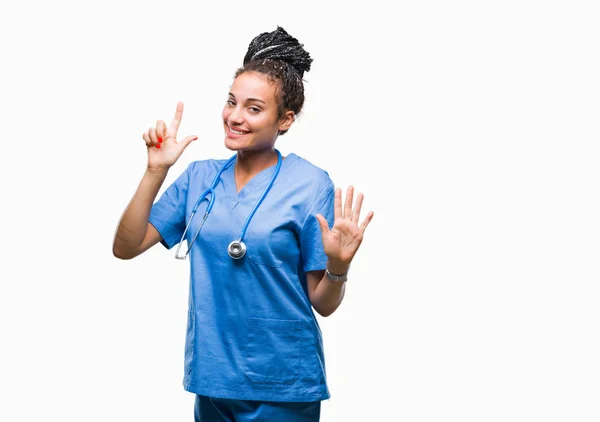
x=135, y=234
x=340, y=245
x=325, y=295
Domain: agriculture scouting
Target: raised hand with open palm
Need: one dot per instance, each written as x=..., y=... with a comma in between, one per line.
x=343, y=240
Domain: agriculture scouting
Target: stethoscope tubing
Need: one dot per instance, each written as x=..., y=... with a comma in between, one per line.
x=236, y=249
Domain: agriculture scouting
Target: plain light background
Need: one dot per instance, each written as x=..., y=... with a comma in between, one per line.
x=471, y=128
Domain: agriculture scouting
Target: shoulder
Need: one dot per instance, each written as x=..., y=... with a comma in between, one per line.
x=308, y=174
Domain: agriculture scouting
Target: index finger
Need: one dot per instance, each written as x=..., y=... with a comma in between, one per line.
x=178, y=114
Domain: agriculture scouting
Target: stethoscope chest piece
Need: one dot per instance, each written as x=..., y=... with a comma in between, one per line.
x=236, y=249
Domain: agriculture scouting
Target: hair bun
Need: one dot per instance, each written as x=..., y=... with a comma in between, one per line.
x=279, y=45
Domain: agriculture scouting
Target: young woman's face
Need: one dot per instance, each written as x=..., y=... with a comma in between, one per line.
x=250, y=114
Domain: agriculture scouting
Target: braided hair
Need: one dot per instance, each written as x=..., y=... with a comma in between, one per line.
x=281, y=58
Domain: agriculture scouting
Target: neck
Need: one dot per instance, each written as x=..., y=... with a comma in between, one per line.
x=249, y=163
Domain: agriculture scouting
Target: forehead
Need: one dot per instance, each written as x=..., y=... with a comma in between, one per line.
x=253, y=85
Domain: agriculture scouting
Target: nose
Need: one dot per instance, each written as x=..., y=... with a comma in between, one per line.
x=235, y=116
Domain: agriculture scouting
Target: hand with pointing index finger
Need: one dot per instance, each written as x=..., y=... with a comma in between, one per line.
x=163, y=148
x=343, y=240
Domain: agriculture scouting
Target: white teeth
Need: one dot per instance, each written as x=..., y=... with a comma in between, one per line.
x=237, y=132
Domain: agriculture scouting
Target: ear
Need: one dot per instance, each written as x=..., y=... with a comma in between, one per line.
x=287, y=120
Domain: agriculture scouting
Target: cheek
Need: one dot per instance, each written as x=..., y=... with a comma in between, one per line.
x=266, y=123
x=225, y=114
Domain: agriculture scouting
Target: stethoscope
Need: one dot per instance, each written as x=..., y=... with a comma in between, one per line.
x=237, y=248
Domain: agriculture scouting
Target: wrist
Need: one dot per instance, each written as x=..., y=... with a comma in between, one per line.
x=157, y=171
x=337, y=267
x=336, y=278
x=337, y=271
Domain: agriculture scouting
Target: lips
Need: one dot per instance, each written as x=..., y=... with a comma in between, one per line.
x=236, y=132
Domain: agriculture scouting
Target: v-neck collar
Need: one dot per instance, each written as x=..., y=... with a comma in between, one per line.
x=255, y=182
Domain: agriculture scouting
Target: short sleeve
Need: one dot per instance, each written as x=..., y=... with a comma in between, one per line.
x=168, y=213
x=311, y=239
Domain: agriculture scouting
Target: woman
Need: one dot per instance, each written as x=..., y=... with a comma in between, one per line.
x=265, y=254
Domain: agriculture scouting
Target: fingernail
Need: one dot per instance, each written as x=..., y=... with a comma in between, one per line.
x=195, y=137
x=157, y=145
x=159, y=139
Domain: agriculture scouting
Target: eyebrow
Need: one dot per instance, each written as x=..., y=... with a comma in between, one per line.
x=249, y=99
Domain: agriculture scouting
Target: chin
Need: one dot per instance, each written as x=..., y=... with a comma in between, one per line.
x=232, y=145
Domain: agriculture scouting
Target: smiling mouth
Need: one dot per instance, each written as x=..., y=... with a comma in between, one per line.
x=236, y=132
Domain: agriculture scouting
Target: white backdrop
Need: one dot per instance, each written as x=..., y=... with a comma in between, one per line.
x=471, y=128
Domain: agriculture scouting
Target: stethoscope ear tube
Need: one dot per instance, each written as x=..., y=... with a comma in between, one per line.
x=187, y=226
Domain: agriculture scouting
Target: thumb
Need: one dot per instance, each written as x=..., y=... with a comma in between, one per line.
x=323, y=224
x=188, y=140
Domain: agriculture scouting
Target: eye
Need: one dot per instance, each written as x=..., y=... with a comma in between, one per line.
x=255, y=110
x=230, y=102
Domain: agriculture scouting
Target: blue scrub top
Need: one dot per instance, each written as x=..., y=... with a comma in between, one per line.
x=251, y=333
